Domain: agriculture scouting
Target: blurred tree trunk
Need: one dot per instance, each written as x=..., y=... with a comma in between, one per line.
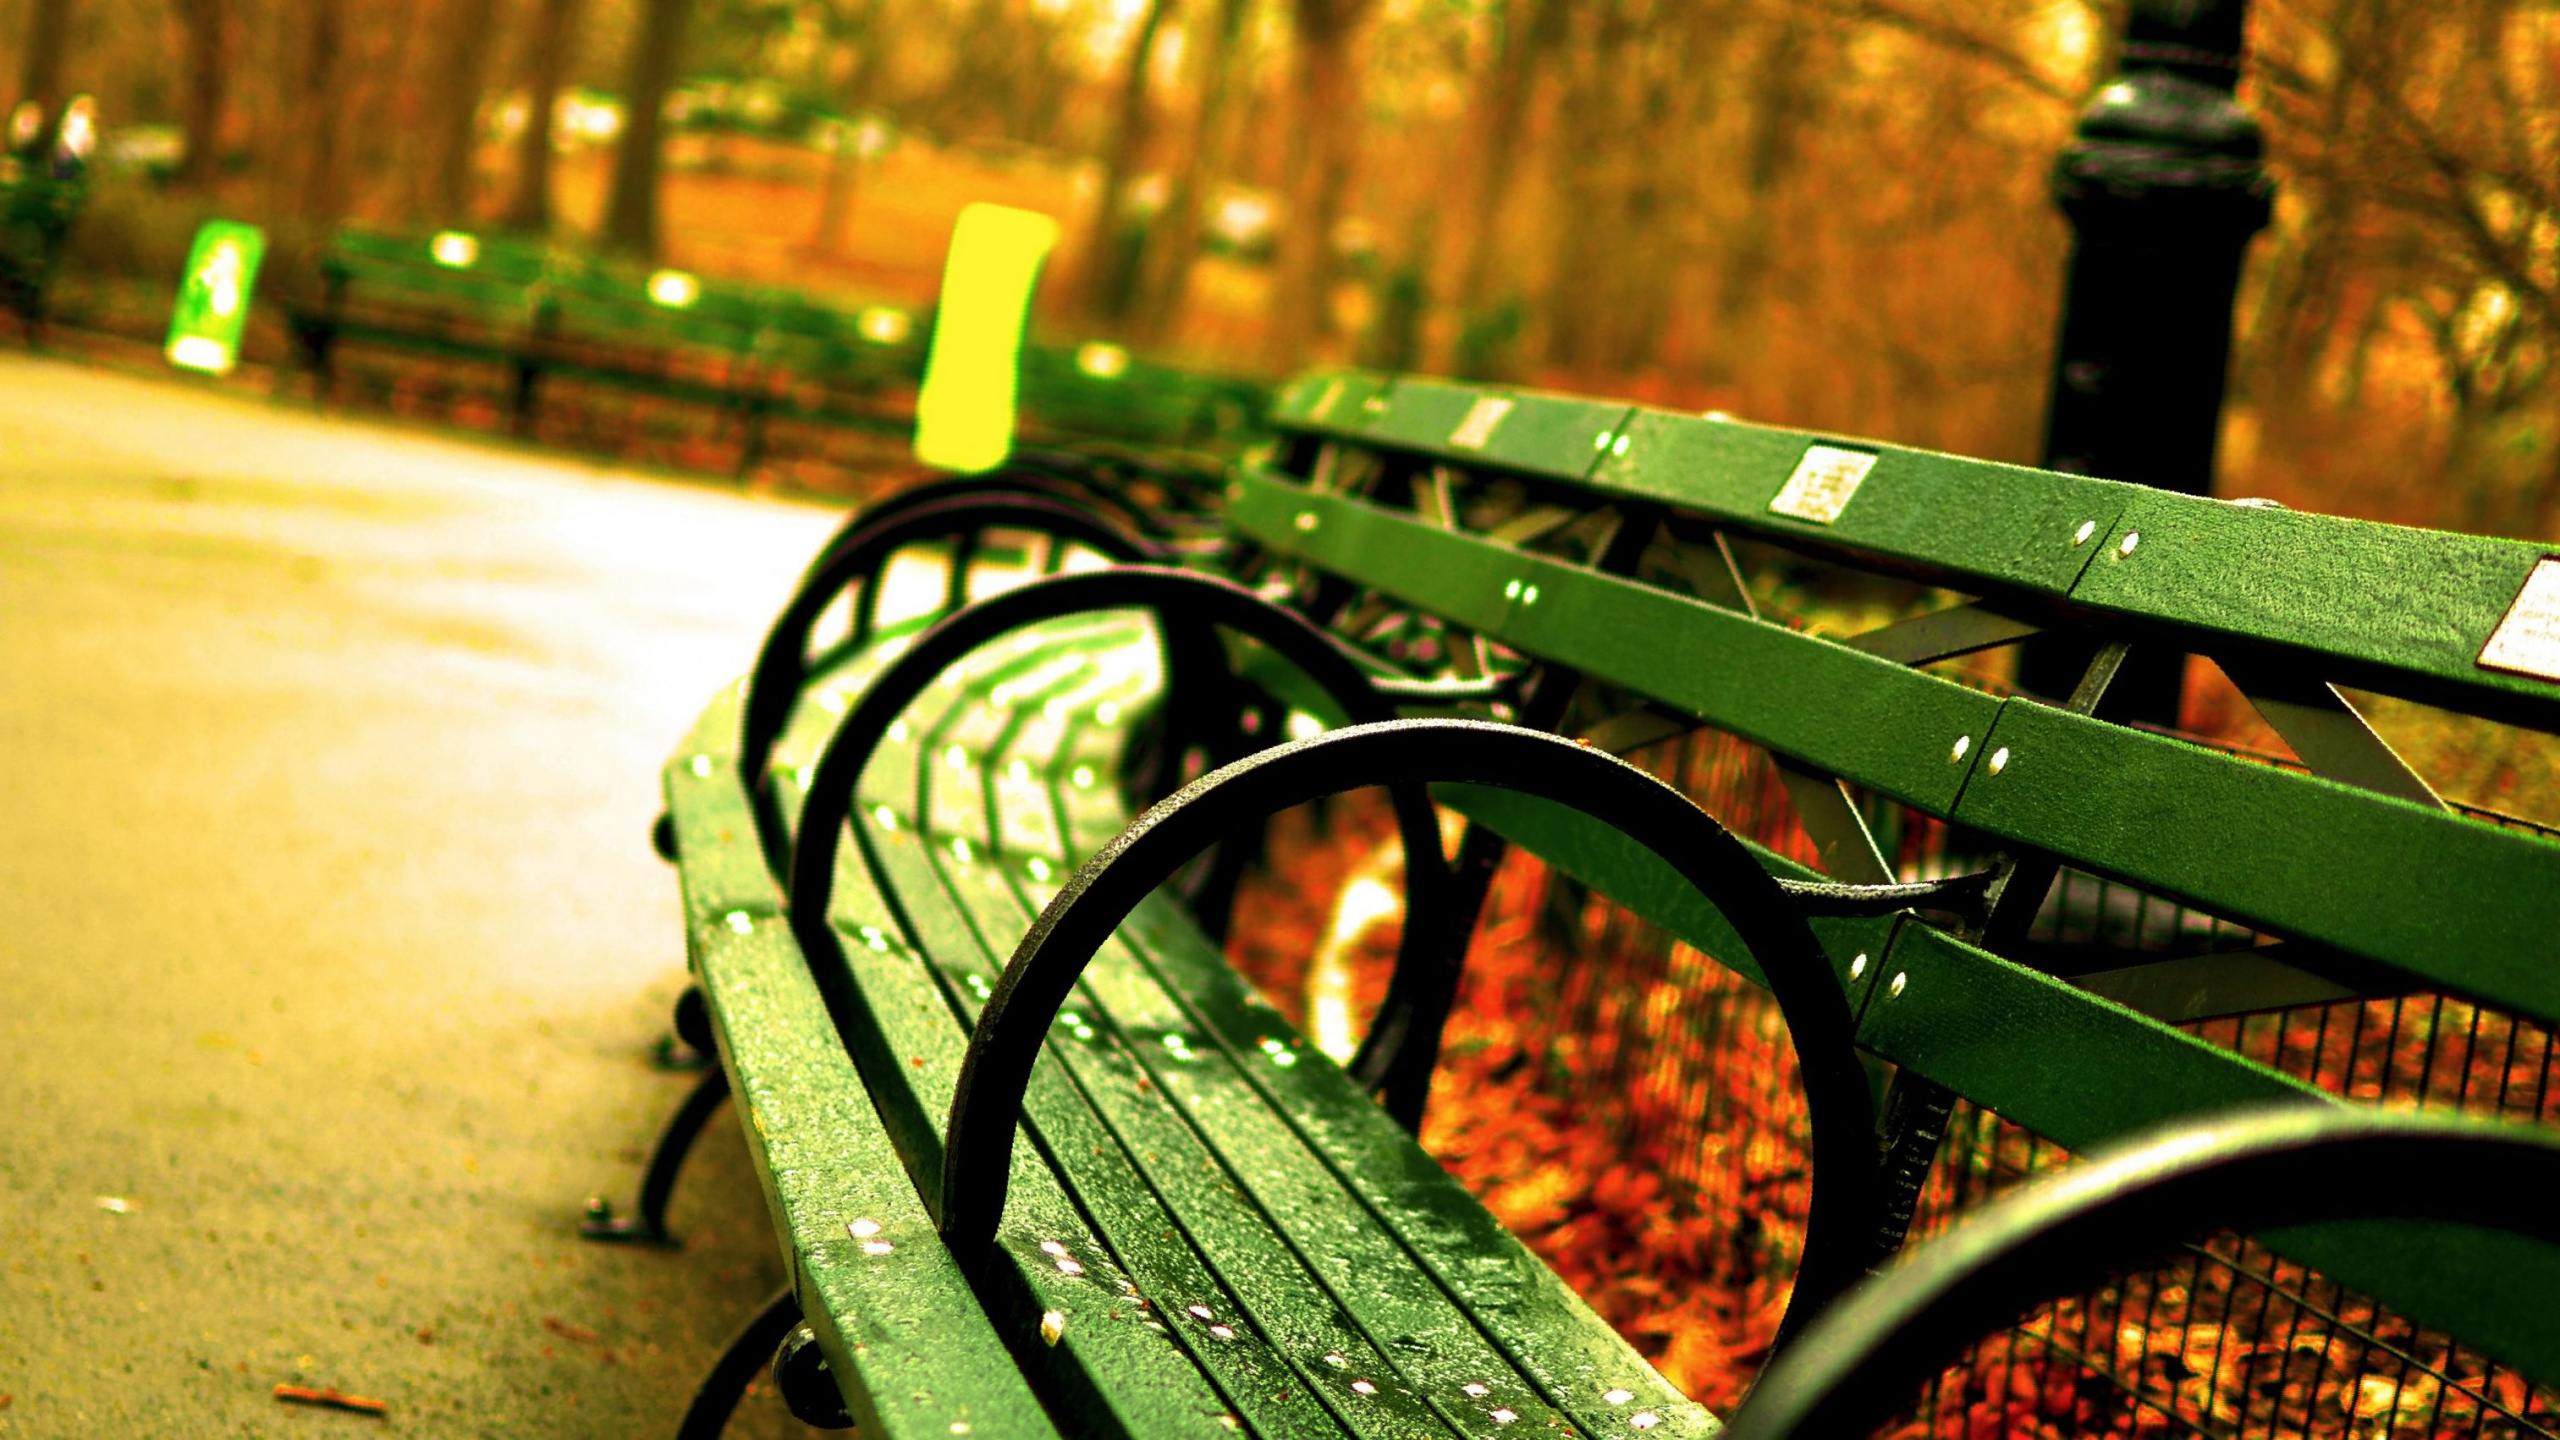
x=456, y=71
x=202, y=22
x=1109, y=279
x=1529, y=30
x=631, y=210
x=547, y=52
x=1173, y=242
x=315, y=132
x=40, y=69
x=1325, y=104
x=1782, y=101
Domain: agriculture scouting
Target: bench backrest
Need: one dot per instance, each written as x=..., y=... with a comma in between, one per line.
x=1436, y=514
x=2362, y=860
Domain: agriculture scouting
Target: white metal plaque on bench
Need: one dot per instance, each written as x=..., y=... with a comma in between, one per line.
x=2527, y=642
x=1822, y=483
x=1476, y=428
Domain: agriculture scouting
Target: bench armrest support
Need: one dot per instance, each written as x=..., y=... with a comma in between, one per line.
x=2252, y=1170
x=978, y=1154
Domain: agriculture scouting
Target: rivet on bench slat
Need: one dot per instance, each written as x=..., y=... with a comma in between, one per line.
x=1644, y=1419
x=1053, y=1324
x=1857, y=967
x=1900, y=979
x=1999, y=759
x=887, y=817
x=1039, y=868
x=1306, y=519
x=2125, y=546
x=1505, y=1415
x=2081, y=536
x=1082, y=778
x=1363, y=1387
x=1107, y=713
x=1964, y=743
x=1621, y=1397
x=740, y=921
x=701, y=766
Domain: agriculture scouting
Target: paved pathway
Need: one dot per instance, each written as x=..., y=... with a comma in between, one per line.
x=330, y=938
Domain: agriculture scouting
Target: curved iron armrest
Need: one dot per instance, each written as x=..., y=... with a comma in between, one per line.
x=2252, y=1170
x=1202, y=601
x=978, y=1154
x=1056, y=477
x=782, y=665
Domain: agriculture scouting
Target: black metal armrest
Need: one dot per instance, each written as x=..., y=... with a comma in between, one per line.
x=1870, y=1354
x=1100, y=896
x=1201, y=601
x=856, y=554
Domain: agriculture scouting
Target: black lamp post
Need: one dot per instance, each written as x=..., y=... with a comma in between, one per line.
x=2164, y=186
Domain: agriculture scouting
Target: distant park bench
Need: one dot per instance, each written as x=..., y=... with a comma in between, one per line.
x=1042, y=1163
x=750, y=354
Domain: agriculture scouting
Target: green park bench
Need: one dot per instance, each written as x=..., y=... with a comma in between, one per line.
x=1041, y=1162
x=451, y=296
x=751, y=354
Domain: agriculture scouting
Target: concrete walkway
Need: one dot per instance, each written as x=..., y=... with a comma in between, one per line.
x=331, y=942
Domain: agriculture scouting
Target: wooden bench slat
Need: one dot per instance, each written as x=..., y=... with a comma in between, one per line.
x=1093, y=1127
x=901, y=1324
x=1546, y=1330
x=1268, y=1183
x=1865, y=719
x=2375, y=876
x=2381, y=607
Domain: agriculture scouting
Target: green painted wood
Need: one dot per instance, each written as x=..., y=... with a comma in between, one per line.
x=1333, y=405
x=1559, y=437
x=901, y=1330
x=2381, y=607
x=1867, y=720
x=1982, y=524
x=1066, y=1151
x=2460, y=904
x=1155, y=1175
x=1343, y=1300
x=1574, y=1359
x=1464, y=581
x=1114, y=1365
x=1081, y=1149
x=2083, y=1072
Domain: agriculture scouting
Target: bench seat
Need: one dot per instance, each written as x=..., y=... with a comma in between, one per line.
x=1211, y=1227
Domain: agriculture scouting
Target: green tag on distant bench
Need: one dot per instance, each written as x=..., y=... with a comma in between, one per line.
x=965, y=412
x=213, y=298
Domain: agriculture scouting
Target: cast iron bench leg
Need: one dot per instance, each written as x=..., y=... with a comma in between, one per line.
x=650, y=1225
x=688, y=1046
x=718, y=1394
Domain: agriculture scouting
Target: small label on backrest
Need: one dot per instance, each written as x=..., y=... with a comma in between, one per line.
x=1477, y=427
x=1323, y=408
x=1822, y=483
x=2527, y=641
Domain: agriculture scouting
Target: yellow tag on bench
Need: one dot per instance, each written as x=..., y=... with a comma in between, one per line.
x=965, y=412
x=2527, y=641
